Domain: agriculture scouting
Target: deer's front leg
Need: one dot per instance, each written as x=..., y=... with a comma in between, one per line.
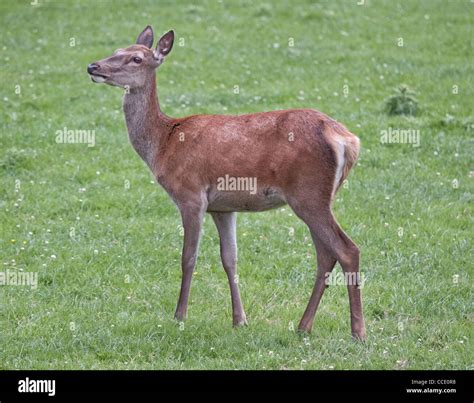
x=192, y=216
x=226, y=226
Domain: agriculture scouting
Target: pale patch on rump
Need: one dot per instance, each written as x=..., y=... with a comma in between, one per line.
x=346, y=151
x=339, y=151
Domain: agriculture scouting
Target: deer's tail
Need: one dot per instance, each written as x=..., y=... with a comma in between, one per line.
x=347, y=152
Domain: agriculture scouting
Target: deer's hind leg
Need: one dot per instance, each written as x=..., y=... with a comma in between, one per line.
x=326, y=262
x=332, y=244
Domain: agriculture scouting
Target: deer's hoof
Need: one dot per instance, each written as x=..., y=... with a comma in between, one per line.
x=359, y=336
x=180, y=317
x=303, y=331
x=305, y=328
x=239, y=322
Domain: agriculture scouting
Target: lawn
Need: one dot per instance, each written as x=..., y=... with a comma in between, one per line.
x=105, y=240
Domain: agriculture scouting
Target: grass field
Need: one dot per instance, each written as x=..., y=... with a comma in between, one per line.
x=105, y=240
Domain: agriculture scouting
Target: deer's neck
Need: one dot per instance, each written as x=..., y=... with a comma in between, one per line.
x=146, y=124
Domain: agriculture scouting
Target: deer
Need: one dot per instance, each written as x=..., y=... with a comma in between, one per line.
x=298, y=157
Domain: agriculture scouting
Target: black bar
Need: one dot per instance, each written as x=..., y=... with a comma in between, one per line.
x=88, y=385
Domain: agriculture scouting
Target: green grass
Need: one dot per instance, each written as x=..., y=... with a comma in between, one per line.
x=106, y=300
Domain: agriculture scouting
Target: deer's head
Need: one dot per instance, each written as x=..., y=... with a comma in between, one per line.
x=132, y=67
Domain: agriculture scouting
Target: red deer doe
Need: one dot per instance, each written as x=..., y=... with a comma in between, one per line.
x=298, y=157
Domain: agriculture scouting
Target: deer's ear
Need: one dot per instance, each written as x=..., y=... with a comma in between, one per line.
x=164, y=46
x=146, y=37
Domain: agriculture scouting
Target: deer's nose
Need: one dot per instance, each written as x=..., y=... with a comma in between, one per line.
x=92, y=67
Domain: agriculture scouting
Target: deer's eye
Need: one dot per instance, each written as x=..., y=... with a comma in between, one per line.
x=137, y=60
